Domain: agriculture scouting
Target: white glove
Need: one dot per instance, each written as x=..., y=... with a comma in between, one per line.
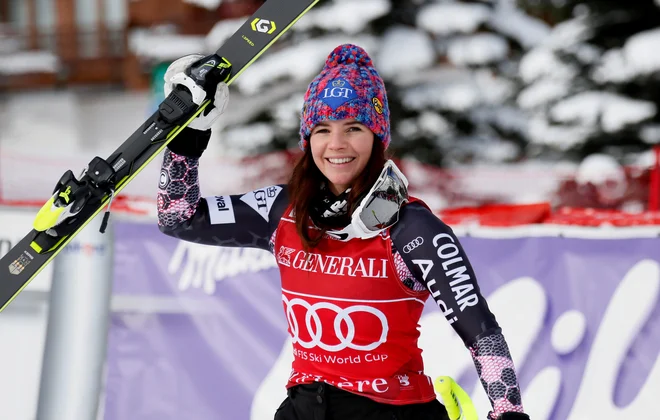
x=206, y=119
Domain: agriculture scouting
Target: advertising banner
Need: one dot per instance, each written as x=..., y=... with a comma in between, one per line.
x=22, y=328
x=199, y=332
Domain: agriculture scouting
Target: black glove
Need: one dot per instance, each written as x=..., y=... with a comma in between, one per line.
x=190, y=142
x=513, y=416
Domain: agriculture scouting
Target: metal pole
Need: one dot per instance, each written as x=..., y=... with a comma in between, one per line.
x=76, y=337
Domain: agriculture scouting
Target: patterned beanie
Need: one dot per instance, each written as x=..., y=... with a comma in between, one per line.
x=347, y=87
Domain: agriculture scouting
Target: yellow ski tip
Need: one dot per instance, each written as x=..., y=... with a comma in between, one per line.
x=47, y=216
x=457, y=402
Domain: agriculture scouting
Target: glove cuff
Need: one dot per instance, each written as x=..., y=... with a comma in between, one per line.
x=513, y=416
x=190, y=142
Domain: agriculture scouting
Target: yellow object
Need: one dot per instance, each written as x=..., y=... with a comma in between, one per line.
x=47, y=216
x=65, y=195
x=457, y=402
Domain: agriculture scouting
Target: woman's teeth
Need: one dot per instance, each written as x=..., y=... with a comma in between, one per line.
x=341, y=160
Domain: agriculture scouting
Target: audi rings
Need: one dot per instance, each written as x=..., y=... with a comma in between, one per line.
x=410, y=246
x=342, y=316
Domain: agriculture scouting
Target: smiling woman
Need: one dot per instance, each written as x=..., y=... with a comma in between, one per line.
x=357, y=257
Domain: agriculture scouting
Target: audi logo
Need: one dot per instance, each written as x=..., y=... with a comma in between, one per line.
x=342, y=318
x=413, y=244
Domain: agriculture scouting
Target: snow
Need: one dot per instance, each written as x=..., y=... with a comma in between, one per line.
x=29, y=62
x=612, y=111
x=209, y=4
x=542, y=92
x=164, y=46
x=598, y=168
x=221, y=31
x=542, y=62
x=299, y=62
x=507, y=118
x=451, y=18
x=639, y=56
x=568, y=33
x=493, y=89
x=348, y=16
x=431, y=122
x=287, y=111
x=457, y=97
x=525, y=29
x=396, y=56
x=477, y=49
x=8, y=45
x=562, y=137
x=650, y=133
x=642, y=53
x=248, y=137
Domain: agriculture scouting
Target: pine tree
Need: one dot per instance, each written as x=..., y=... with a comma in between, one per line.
x=450, y=67
x=594, y=85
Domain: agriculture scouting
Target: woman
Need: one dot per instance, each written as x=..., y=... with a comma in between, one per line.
x=357, y=256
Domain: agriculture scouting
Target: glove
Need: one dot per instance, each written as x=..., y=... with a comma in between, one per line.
x=194, y=139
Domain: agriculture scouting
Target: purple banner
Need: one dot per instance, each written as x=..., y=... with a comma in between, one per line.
x=199, y=332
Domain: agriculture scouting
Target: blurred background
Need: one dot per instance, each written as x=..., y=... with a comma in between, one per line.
x=502, y=101
x=538, y=118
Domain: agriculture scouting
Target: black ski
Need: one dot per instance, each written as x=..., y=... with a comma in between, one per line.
x=77, y=200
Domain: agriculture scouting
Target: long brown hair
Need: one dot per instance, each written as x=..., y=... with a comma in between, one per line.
x=305, y=184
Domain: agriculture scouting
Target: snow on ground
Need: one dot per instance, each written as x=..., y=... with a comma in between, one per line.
x=348, y=16
x=29, y=62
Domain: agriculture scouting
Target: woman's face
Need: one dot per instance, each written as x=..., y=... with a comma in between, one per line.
x=341, y=150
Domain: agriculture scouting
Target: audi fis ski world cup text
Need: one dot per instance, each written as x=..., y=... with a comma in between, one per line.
x=455, y=272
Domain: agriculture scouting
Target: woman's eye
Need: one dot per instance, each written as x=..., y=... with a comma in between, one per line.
x=321, y=130
x=354, y=128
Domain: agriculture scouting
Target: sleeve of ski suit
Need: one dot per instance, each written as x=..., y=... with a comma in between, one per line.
x=434, y=255
x=247, y=220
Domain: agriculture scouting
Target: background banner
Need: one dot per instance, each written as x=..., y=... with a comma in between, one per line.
x=199, y=332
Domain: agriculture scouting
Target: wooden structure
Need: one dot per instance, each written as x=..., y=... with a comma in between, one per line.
x=100, y=56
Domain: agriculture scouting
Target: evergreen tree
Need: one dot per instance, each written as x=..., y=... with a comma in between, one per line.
x=451, y=70
x=594, y=85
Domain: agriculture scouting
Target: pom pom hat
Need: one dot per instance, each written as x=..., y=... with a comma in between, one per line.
x=347, y=87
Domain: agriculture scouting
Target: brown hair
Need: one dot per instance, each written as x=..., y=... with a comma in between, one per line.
x=305, y=184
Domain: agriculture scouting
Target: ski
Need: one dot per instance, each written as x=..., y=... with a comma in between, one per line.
x=77, y=200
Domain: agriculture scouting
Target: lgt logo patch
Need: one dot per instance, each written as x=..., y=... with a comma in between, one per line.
x=264, y=26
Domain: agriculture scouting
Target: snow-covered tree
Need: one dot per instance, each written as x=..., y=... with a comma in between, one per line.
x=450, y=68
x=593, y=85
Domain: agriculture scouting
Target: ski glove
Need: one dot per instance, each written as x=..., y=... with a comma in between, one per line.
x=206, y=119
x=513, y=416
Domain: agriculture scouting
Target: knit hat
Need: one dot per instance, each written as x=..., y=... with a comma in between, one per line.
x=347, y=87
